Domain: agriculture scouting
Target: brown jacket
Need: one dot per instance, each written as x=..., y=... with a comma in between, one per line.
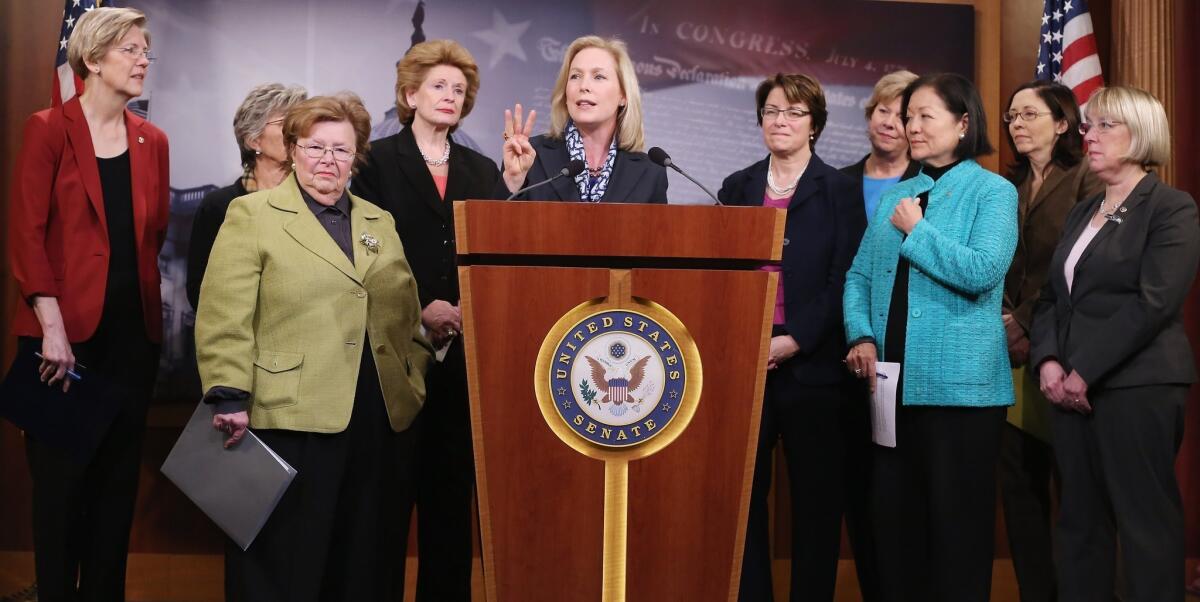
x=1039, y=223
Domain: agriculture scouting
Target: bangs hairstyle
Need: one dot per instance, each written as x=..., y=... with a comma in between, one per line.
x=1068, y=148
x=97, y=32
x=412, y=69
x=1143, y=114
x=796, y=87
x=251, y=117
x=961, y=98
x=631, y=136
x=343, y=106
x=888, y=88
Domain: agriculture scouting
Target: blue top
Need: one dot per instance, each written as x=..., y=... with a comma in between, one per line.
x=872, y=189
x=956, y=353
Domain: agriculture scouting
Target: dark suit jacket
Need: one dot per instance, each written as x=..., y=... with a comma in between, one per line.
x=825, y=222
x=205, y=226
x=1040, y=226
x=57, y=233
x=395, y=177
x=1122, y=323
x=857, y=170
x=635, y=179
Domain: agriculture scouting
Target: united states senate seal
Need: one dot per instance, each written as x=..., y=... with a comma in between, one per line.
x=617, y=377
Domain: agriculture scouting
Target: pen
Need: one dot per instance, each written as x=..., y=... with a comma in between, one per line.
x=71, y=373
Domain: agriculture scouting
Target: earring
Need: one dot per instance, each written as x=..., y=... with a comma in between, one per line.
x=810, y=137
x=257, y=152
x=962, y=135
x=412, y=106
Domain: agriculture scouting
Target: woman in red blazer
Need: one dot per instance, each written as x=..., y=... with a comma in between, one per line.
x=87, y=217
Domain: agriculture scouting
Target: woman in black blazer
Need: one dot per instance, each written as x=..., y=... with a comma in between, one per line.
x=416, y=175
x=1113, y=357
x=807, y=401
x=595, y=117
x=258, y=129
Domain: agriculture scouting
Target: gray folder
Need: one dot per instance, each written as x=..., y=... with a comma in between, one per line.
x=237, y=488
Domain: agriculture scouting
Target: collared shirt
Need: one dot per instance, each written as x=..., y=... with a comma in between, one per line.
x=335, y=219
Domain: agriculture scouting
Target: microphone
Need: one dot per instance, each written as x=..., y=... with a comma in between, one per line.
x=573, y=168
x=660, y=157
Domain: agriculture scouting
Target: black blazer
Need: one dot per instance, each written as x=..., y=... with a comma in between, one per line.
x=395, y=177
x=825, y=222
x=635, y=179
x=206, y=223
x=857, y=170
x=1122, y=323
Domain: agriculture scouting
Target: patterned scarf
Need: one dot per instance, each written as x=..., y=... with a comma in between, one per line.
x=591, y=189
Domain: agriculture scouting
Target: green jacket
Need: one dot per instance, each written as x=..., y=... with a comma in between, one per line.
x=283, y=314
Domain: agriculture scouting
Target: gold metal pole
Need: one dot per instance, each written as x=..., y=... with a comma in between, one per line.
x=616, y=514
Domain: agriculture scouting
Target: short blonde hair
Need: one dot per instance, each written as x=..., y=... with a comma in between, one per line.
x=97, y=31
x=412, y=69
x=251, y=117
x=631, y=135
x=1143, y=114
x=343, y=106
x=889, y=88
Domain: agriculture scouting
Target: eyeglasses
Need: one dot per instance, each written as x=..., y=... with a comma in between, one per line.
x=1028, y=115
x=1103, y=126
x=135, y=52
x=770, y=113
x=341, y=154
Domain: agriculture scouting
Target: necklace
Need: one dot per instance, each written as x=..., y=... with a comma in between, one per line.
x=786, y=190
x=439, y=162
x=1111, y=213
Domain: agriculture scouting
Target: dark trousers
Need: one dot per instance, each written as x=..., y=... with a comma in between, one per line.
x=446, y=484
x=1118, y=488
x=83, y=509
x=934, y=504
x=826, y=437
x=340, y=531
x=1026, y=469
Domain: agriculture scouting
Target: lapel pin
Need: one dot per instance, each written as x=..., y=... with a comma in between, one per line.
x=141, y=140
x=1124, y=209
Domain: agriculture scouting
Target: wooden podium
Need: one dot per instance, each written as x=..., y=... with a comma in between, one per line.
x=564, y=519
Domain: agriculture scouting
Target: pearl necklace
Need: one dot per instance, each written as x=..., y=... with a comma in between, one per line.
x=785, y=191
x=439, y=162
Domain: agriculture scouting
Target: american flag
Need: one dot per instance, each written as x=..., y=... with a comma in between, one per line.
x=1067, y=48
x=66, y=84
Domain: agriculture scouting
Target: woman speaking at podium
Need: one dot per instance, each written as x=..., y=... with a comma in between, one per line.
x=595, y=117
x=806, y=402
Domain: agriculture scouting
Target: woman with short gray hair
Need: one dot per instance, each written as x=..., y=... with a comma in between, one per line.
x=257, y=127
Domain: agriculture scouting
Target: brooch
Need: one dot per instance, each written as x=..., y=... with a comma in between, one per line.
x=370, y=242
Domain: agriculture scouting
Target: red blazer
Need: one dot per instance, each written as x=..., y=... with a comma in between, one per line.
x=57, y=234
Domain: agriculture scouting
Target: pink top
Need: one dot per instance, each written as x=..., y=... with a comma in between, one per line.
x=1085, y=238
x=769, y=201
x=440, y=182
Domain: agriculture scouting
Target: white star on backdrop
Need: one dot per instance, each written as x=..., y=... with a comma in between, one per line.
x=1045, y=19
x=504, y=38
x=1041, y=68
x=70, y=22
x=1067, y=6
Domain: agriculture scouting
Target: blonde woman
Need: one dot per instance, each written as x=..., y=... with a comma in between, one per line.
x=1113, y=357
x=87, y=219
x=595, y=117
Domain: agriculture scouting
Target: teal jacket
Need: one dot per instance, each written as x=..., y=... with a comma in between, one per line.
x=955, y=351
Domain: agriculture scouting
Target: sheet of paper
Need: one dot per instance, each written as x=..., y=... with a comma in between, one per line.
x=883, y=404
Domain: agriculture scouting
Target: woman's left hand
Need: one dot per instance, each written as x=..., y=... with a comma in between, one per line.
x=783, y=347
x=1075, y=393
x=906, y=215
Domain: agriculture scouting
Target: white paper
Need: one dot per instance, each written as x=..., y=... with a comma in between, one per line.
x=883, y=404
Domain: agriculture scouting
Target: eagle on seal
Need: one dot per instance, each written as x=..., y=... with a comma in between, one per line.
x=617, y=388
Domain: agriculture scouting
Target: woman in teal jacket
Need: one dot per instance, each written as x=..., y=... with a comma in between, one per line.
x=925, y=291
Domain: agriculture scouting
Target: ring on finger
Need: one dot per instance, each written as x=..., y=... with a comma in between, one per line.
x=507, y=136
x=858, y=371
